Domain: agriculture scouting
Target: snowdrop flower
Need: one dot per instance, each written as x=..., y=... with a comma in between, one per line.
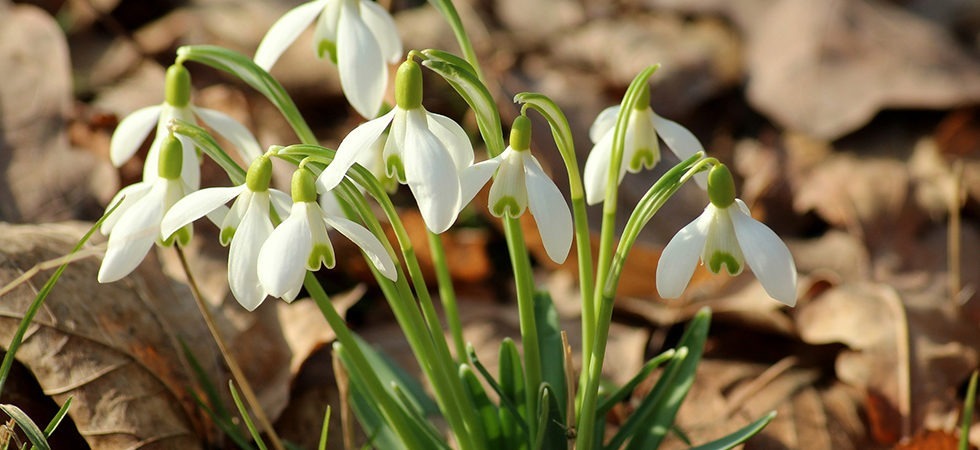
x=134, y=129
x=358, y=35
x=424, y=150
x=641, y=149
x=520, y=183
x=726, y=235
x=301, y=243
x=135, y=224
x=246, y=225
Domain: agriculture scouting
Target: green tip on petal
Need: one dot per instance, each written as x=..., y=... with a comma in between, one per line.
x=506, y=206
x=178, y=86
x=719, y=259
x=181, y=237
x=304, y=186
x=171, y=158
x=643, y=158
x=643, y=101
x=395, y=169
x=520, y=133
x=321, y=253
x=259, y=174
x=328, y=48
x=408, y=86
x=226, y=235
x=721, y=186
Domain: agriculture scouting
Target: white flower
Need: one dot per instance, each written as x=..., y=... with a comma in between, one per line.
x=520, y=183
x=727, y=236
x=134, y=129
x=360, y=37
x=134, y=225
x=641, y=149
x=246, y=225
x=424, y=150
x=301, y=243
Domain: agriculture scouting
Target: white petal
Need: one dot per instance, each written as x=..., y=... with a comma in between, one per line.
x=128, y=195
x=384, y=30
x=641, y=138
x=131, y=133
x=509, y=184
x=431, y=174
x=453, y=137
x=281, y=202
x=363, y=73
x=368, y=242
x=474, y=177
x=235, y=132
x=285, y=31
x=195, y=205
x=597, y=170
x=326, y=26
x=282, y=259
x=358, y=140
x=680, y=141
x=243, y=278
x=767, y=255
x=604, y=122
x=133, y=235
x=680, y=256
x=190, y=170
x=549, y=210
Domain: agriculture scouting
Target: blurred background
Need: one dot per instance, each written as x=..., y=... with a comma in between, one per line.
x=852, y=126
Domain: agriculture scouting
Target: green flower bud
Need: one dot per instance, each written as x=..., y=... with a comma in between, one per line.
x=259, y=174
x=178, y=86
x=721, y=186
x=171, y=158
x=304, y=186
x=408, y=86
x=520, y=134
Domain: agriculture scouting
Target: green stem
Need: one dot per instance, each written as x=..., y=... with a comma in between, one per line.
x=447, y=295
x=524, y=280
x=452, y=17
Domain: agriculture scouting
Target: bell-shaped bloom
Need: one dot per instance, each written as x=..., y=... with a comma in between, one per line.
x=426, y=151
x=727, y=237
x=520, y=183
x=134, y=129
x=134, y=225
x=246, y=225
x=301, y=243
x=358, y=35
x=641, y=149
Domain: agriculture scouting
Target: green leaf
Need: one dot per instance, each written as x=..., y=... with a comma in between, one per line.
x=204, y=141
x=56, y=420
x=560, y=129
x=246, y=70
x=469, y=86
x=246, y=417
x=489, y=413
x=627, y=389
x=738, y=437
x=511, y=376
x=968, y=404
x=552, y=349
x=449, y=58
x=231, y=430
x=30, y=429
x=324, y=430
x=552, y=433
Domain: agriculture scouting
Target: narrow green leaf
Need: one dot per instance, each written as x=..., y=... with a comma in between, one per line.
x=968, y=405
x=505, y=402
x=475, y=93
x=551, y=348
x=449, y=58
x=204, y=141
x=246, y=417
x=30, y=429
x=511, y=376
x=625, y=390
x=552, y=432
x=489, y=413
x=739, y=437
x=56, y=420
x=231, y=430
x=324, y=430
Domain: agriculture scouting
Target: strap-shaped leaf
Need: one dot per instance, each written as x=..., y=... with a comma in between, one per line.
x=475, y=93
x=30, y=429
x=204, y=141
x=627, y=389
x=738, y=437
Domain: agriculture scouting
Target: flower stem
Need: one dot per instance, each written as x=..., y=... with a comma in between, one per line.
x=524, y=280
x=236, y=370
x=447, y=295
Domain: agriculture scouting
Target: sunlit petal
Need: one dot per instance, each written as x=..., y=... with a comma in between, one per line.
x=680, y=141
x=473, y=178
x=133, y=235
x=431, y=174
x=597, y=170
x=453, y=137
x=549, y=210
x=384, y=30
x=282, y=259
x=285, y=31
x=680, y=256
x=363, y=74
x=243, y=256
x=767, y=256
x=230, y=129
x=195, y=205
x=131, y=133
x=368, y=242
x=360, y=139
x=128, y=195
x=281, y=202
x=604, y=123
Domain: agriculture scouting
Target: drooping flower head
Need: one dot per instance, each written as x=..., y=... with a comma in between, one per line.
x=134, y=225
x=246, y=225
x=641, y=149
x=134, y=129
x=520, y=183
x=301, y=242
x=726, y=236
x=426, y=151
x=358, y=35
